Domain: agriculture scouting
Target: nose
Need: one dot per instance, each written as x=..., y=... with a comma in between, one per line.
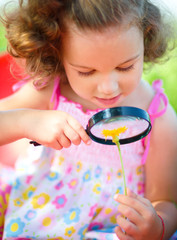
x=108, y=84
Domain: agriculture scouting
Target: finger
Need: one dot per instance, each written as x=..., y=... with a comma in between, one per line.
x=59, y=146
x=71, y=134
x=121, y=234
x=80, y=130
x=134, y=202
x=133, y=195
x=140, y=198
x=130, y=213
x=56, y=145
x=64, y=141
x=129, y=227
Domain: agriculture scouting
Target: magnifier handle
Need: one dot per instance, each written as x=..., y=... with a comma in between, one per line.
x=38, y=144
x=35, y=143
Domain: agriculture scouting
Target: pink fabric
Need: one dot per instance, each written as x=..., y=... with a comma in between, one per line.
x=18, y=85
x=87, y=178
x=153, y=109
x=56, y=93
x=154, y=112
x=4, y=196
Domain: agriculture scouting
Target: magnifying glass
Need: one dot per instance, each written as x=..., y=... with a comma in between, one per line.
x=136, y=120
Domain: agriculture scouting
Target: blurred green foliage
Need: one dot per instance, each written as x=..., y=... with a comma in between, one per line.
x=2, y=39
x=166, y=71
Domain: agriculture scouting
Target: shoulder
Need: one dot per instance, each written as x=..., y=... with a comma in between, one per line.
x=28, y=96
x=165, y=129
x=161, y=162
x=165, y=124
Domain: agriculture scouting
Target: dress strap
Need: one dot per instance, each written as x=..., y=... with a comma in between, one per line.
x=154, y=106
x=154, y=112
x=19, y=84
x=56, y=93
x=56, y=90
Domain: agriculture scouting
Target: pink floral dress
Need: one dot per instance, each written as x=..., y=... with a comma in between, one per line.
x=68, y=194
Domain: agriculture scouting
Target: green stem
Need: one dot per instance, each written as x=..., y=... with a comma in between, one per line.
x=116, y=141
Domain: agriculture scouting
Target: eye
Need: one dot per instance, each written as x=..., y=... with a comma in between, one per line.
x=86, y=73
x=125, y=69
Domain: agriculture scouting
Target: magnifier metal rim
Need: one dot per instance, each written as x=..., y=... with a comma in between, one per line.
x=116, y=112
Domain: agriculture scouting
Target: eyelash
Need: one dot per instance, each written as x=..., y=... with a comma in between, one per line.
x=86, y=73
x=119, y=69
x=125, y=69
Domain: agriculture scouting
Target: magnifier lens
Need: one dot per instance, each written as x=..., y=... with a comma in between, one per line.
x=134, y=125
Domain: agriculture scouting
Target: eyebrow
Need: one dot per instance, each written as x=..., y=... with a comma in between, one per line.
x=129, y=60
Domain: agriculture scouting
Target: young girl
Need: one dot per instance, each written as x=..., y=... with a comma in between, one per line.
x=82, y=57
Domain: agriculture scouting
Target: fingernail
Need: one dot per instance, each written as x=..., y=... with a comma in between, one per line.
x=116, y=196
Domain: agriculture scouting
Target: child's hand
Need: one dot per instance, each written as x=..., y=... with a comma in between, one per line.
x=54, y=129
x=138, y=219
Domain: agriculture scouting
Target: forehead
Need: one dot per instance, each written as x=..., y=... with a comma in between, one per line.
x=113, y=42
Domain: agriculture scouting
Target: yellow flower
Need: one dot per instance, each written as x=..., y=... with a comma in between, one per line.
x=113, y=219
x=28, y=192
x=69, y=231
x=114, y=132
x=119, y=173
x=108, y=211
x=3, y=208
x=46, y=221
x=39, y=201
x=61, y=160
x=97, y=188
x=18, y=202
x=79, y=166
x=139, y=170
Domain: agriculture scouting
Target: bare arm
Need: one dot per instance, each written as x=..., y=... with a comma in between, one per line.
x=28, y=114
x=28, y=97
x=12, y=115
x=161, y=166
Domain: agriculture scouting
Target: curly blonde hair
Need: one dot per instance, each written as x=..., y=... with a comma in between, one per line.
x=34, y=30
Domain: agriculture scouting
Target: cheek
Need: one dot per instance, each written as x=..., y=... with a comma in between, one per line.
x=130, y=83
x=135, y=77
x=80, y=86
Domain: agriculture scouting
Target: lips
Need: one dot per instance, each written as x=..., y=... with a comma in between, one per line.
x=109, y=101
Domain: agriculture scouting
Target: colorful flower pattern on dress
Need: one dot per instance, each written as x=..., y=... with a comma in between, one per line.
x=59, y=185
x=72, y=216
x=18, y=202
x=52, y=176
x=4, y=199
x=28, y=192
x=97, y=188
x=40, y=201
x=17, y=183
x=86, y=177
x=60, y=201
x=69, y=231
x=73, y=183
x=15, y=228
x=31, y=214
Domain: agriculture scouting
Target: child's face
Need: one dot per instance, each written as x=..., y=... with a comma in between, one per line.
x=104, y=67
